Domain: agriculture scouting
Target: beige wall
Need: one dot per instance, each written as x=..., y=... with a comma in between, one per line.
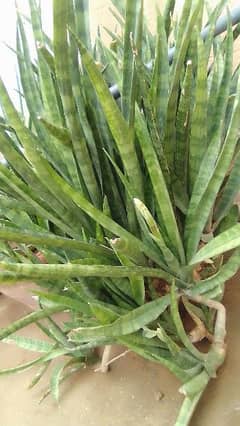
x=100, y=15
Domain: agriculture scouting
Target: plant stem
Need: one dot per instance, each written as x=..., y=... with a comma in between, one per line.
x=215, y=359
x=188, y=408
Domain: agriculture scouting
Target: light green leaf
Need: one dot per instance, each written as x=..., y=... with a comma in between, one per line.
x=159, y=185
x=224, y=242
x=67, y=302
x=56, y=378
x=21, y=367
x=55, y=271
x=116, y=122
x=51, y=240
x=29, y=344
x=133, y=9
x=39, y=375
x=61, y=14
x=126, y=324
x=198, y=138
x=29, y=319
x=180, y=328
x=230, y=191
x=198, y=213
x=136, y=281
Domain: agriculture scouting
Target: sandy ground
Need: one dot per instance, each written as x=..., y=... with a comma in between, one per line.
x=128, y=395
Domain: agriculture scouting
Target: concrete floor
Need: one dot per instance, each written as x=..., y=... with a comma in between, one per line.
x=126, y=396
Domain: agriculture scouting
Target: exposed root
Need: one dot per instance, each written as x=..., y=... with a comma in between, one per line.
x=194, y=388
x=105, y=359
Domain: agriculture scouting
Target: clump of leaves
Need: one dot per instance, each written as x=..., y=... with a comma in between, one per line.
x=121, y=209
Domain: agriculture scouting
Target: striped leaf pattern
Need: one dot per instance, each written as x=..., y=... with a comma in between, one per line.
x=118, y=208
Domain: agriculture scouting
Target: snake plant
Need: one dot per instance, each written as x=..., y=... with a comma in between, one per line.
x=121, y=210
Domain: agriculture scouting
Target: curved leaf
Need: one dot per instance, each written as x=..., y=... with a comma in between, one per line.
x=126, y=324
x=224, y=242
